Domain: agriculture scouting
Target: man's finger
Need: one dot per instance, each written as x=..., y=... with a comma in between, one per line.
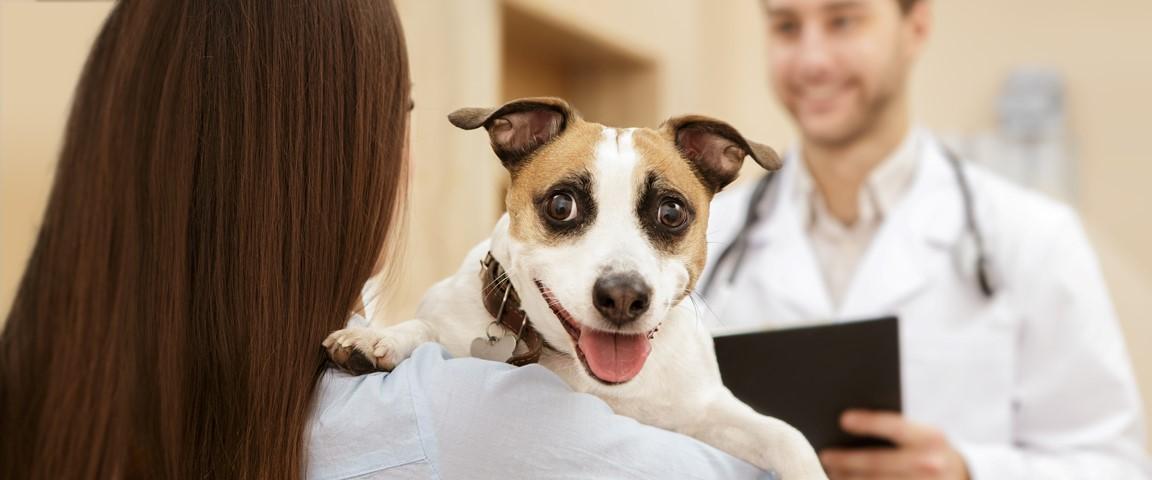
x=888, y=425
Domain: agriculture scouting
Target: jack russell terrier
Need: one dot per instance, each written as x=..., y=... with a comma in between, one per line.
x=590, y=271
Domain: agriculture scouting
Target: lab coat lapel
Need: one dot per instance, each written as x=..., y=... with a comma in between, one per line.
x=787, y=264
x=888, y=275
x=893, y=269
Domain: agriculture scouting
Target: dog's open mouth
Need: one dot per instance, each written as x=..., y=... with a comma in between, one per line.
x=610, y=357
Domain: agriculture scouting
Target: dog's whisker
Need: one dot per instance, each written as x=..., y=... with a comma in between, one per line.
x=497, y=282
x=695, y=309
x=694, y=295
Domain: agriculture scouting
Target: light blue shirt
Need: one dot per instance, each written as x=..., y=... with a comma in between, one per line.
x=436, y=417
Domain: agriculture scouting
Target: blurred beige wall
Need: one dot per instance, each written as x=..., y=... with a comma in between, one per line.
x=685, y=56
x=42, y=48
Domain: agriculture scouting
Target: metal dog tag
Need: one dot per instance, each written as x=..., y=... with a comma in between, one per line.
x=495, y=349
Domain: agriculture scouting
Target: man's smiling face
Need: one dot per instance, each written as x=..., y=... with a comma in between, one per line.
x=837, y=65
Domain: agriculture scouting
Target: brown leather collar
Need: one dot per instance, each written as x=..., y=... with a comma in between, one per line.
x=497, y=292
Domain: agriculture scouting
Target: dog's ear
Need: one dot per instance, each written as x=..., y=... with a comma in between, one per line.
x=716, y=150
x=517, y=128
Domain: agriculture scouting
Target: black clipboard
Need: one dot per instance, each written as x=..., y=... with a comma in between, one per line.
x=808, y=376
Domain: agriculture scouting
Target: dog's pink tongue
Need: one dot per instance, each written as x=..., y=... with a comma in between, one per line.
x=614, y=357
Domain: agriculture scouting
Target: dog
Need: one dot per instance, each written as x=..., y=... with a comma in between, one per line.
x=590, y=271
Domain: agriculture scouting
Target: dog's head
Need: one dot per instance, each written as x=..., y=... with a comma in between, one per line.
x=607, y=226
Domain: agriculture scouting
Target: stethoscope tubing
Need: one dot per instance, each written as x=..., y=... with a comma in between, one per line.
x=739, y=244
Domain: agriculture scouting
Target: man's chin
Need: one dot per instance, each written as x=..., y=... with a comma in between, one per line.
x=829, y=132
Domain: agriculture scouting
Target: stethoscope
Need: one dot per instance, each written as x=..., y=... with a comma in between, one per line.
x=735, y=250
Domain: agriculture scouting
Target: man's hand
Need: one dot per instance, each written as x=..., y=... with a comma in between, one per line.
x=921, y=452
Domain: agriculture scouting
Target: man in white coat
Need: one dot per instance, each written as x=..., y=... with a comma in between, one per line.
x=1026, y=379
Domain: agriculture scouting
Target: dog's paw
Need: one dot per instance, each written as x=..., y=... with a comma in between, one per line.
x=362, y=350
x=792, y=457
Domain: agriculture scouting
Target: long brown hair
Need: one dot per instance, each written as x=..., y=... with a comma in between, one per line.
x=229, y=176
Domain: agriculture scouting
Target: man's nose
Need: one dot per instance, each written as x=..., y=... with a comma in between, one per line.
x=621, y=297
x=813, y=53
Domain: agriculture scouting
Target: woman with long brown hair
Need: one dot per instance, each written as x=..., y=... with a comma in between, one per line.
x=230, y=176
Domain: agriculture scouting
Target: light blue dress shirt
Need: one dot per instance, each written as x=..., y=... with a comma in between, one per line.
x=465, y=418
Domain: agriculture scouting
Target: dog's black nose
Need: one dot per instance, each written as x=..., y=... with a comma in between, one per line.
x=621, y=297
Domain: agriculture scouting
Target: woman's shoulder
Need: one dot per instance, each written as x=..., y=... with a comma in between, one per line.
x=387, y=424
x=436, y=417
x=367, y=426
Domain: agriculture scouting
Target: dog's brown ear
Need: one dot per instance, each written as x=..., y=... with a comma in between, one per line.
x=517, y=128
x=716, y=150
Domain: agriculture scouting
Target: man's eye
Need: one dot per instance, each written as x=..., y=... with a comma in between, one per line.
x=786, y=27
x=561, y=207
x=842, y=22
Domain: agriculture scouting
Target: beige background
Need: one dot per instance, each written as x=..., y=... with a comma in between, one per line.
x=639, y=61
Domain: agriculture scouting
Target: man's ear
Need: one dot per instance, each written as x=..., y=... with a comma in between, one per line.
x=716, y=150
x=518, y=128
x=919, y=19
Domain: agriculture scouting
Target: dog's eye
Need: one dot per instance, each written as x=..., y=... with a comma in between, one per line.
x=561, y=207
x=671, y=214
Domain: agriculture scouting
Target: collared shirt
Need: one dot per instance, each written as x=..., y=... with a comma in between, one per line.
x=839, y=247
x=435, y=417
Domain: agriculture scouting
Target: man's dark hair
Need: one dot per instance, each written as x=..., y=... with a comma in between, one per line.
x=906, y=5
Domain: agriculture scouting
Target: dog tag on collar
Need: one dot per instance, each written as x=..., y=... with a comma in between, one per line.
x=495, y=349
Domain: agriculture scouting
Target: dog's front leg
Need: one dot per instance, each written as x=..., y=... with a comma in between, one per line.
x=768, y=443
x=368, y=349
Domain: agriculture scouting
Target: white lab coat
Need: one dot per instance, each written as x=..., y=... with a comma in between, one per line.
x=1033, y=384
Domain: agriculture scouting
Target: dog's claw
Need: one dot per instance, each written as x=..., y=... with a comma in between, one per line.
x=358, y=350
x=358, y=363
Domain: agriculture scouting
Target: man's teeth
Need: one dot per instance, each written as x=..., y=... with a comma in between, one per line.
x=821, y=93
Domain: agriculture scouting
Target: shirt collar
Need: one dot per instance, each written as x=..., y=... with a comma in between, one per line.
x=886, y=184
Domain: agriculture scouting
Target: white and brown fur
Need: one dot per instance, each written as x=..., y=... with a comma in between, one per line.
x=623, y=175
